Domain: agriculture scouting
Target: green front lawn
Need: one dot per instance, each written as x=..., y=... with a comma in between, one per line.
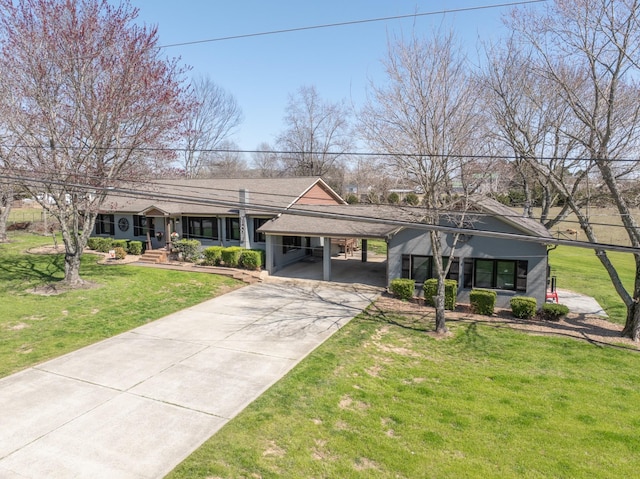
x=37, y=327
x=578, y=269
x=383, y=399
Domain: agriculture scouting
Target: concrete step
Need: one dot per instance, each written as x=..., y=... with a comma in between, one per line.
x=154, y=256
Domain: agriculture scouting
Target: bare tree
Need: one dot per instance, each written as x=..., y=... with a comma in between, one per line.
x=208, y=125
x=6, y=200
x=589, y=50
x=317, y=136
x=425, y=118
x=227, y=162
x=87, y=93
x=267, y=161
x=531, y=120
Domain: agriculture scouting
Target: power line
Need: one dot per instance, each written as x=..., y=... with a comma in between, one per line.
x=352, y=22
x=222, y=193
x=177, y=149
x=124, y=192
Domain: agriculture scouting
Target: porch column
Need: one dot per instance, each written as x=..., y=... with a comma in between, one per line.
x=364, y=250
x=269, y=256
x=326, y=260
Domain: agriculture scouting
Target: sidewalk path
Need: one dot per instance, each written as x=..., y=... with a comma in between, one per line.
x=136, y=405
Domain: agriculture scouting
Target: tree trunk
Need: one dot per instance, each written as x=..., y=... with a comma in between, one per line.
x=632, y=325
x=5, y=208
x=72, y=269
x=4, y=216
x=441, y=326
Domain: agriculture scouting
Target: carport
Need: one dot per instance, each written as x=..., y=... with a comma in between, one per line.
x=320, y=230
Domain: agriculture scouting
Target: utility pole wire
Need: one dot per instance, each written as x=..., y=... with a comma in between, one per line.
x=129, y=193
x=352, y=22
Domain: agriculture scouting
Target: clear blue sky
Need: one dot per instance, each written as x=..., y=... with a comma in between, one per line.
x=261, y=72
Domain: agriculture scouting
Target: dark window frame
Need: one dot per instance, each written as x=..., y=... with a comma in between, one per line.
x=142, y=224
x=259, y=237
x=409, y=269
x=105, y=224
x=516, y=281
x=232, y=232
x=194, y=227
x=291, y=243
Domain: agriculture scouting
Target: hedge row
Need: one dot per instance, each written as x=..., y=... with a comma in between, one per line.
x=104, y=245
x=233, y=257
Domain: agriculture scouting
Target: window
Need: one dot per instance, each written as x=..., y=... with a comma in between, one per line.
x=290, y=243
x=142, y=224
x=495, y=274
x=105, y=225
x=233, y=229
x=421, y=268
x=259, y=237
x=204, y=227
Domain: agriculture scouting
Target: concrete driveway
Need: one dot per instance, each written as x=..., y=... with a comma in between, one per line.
x=136, y=405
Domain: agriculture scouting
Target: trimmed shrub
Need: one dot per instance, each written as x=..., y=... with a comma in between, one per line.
x=189, y=248
x=393, y=198
x=121, y=253
x=135, y=247
x=523, y=307
x=553, y=311
x=119, y=243
x=231, y=256
x=92, y=243
x=430, y=289
x=483, y=301
x=402, y=288
x=104, y=244
x=212, y=255
x=251, y=259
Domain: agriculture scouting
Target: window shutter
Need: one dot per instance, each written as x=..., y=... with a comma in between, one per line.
x=406, y=266
x=468, y=273
x=521, y=279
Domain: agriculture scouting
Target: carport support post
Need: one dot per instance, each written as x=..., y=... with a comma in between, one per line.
x=326, y=259
x=269, y=256
x=364, y=250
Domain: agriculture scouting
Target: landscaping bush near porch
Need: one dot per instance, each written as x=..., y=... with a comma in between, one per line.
x=523, y=307
x=483, y=301
x=402, y=288
x=450, y=292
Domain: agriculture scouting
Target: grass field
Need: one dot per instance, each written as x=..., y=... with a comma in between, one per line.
x=36, y=327
x=383, y=399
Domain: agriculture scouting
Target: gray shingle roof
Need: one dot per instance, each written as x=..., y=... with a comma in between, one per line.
x=209, y=196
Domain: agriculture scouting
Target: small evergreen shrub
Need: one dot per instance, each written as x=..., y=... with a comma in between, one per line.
x=393, y=198
x=483, y=301
x=412, y=199
x=553, y=311
x=430, y=289
x=119, y=243
x=135, y=247
x=523, y=307
x=121, y=253
x=189, y=248
x=231, y=256
x=104, y=245
x=212, y=255
x=251, y=259
x=402, y=288
x=352, y=199
x=92, y=243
